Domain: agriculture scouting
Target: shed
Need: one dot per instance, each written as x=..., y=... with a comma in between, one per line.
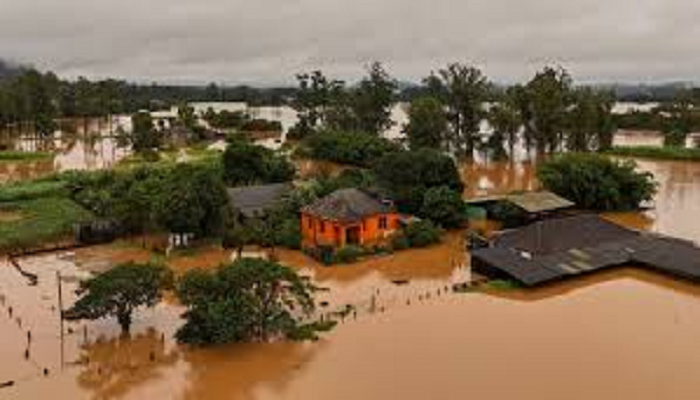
x=252, y=201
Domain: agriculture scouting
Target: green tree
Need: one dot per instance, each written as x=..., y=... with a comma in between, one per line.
x=504, y=118
x=444, y=207
x=596, y=182
x=409, y=174
x=145, y=138
x=463, y=90
x=249, y=300
x=427, y=124
x=548, y=97
x=372, y=100
x=192, y=200
x=186, y=116
x=119, y=292
x=247, y=164
x=352, y=148
x=315, y=96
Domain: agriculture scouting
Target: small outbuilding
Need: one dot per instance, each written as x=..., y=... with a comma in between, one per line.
x=255, y=201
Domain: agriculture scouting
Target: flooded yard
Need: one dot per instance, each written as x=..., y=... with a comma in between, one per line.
x=620, y=334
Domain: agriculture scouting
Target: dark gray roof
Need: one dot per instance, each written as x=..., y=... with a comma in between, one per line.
x=348, y=205
x=556, y=249
x=253, y=200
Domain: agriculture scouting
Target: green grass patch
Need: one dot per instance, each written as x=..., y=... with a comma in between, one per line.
x=43, y=220
x=660, y=153
x=24, y=156
x=30, y=190
x=502, y=284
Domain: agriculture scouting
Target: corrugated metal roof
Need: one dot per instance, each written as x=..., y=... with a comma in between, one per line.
x=555, y=249
x=253, y=200
x=535, y=202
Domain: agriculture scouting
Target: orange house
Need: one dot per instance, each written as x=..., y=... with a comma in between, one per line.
x=348, y=216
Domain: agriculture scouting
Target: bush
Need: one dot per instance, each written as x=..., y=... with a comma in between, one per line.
x=400, y=242
x=348, y=254
x=422, y=234
x=289, y=234
x=597, y=182
x=353, y=148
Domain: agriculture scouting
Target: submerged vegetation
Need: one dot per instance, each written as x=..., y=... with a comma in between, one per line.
x=119, y=292
x=249, y=300
x=597, y=182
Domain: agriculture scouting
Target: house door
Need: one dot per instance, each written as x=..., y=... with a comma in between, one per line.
x=353, y=235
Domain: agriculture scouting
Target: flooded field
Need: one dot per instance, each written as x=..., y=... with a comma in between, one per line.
x=616, y=335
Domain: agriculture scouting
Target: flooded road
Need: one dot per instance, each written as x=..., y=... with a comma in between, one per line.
x=621, y=334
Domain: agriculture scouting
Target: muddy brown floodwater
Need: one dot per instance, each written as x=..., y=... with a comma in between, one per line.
x=621, y=334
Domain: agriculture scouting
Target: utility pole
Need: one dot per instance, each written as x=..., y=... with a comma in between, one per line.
x=60, y=314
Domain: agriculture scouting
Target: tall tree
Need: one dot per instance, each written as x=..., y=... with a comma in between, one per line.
x=548, y=99
x=315, y=95
x=464, y=90
x=427, y=124
x=505, y=120
x=372, y=100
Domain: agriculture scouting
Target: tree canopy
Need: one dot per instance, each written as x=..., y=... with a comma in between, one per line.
x=119, y=292
x=248, y=300
x=597, y=182
x=409, y=174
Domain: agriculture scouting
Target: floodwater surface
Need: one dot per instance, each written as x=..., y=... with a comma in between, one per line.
x=620, y=334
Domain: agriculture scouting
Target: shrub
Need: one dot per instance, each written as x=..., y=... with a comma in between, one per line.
x=400, y=242
x=597, y=182
x=422, y=234
x=348, y=254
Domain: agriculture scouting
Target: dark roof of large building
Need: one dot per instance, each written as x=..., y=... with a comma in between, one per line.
x=348, y=205
x=555, y=249
x=254, y=200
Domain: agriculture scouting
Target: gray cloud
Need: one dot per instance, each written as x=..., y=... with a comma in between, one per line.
x=268, y=41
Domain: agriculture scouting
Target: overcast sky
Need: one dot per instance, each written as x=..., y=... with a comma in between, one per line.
x=268, y=41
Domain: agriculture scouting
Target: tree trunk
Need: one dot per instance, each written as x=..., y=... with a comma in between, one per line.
x=124, y=319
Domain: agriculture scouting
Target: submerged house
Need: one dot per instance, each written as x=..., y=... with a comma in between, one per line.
x=255, y=201
x=556, y=249
x=348, y=217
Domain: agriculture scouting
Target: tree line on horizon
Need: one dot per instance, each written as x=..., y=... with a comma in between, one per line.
x=547, y=113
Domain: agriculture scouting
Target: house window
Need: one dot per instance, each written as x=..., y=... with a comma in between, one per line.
x=311, y=223
x=382, y=223
x=323, y=227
